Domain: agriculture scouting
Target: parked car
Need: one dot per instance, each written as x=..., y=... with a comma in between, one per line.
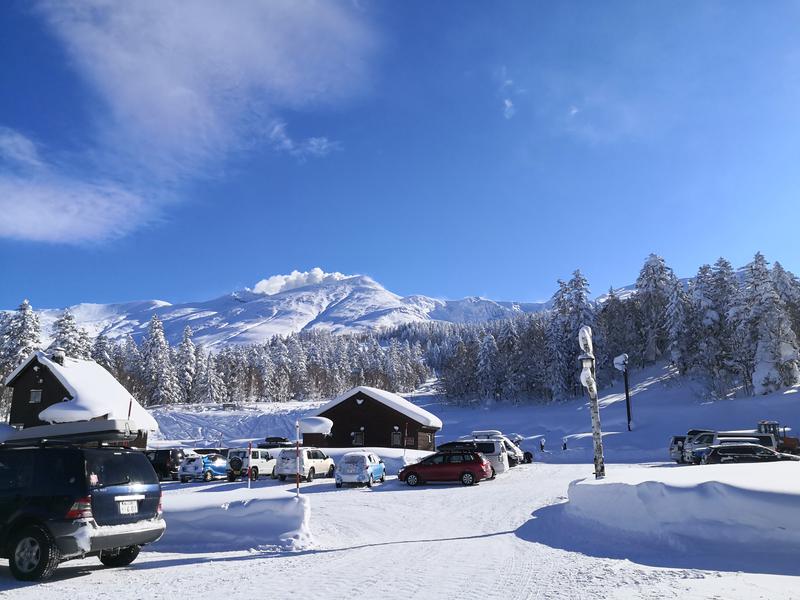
x=250, y=463
x=466, y=466
x=362, y=468
x=166, y=462
x=222, y=451
x=313, y=462
x=744, y=453
x=493, y=449
x=676, y=448
x=276, y=442
x=203, y=466
x=515, y=454
x=694, y=449
x=59, y=503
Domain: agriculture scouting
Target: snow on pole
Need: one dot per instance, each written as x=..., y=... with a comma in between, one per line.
x=297, y=459
x=588, y=381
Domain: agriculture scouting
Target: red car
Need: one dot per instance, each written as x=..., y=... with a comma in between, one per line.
x=464, y=466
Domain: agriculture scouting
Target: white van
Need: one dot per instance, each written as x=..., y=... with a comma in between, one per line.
x=313, y=463
x=515, y=454
x=495, y=452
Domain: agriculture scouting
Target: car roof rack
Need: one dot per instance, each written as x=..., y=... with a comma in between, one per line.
x=99, y=433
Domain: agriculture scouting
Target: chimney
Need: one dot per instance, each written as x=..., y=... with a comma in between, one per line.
x=58, y=355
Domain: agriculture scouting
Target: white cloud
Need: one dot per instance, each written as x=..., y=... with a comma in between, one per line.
x=311, y=147
x=18, y=149
x=508, y=108
x=182, y=85
x=55, y=209
x=296, y=279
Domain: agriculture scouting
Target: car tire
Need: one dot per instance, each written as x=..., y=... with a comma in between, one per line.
x=282, y=477
x=494, y=474
x=207, y=476
x=123, y=558
x=467, y=478
x=338, y=484
x=33, y=554
x=310, y=476
x=413, y=480
x=184, y=480
x=528, y=457
x=370, y=481
x=274, y=476
x=383, y=477
x=254, y=474
x=231, y=477
x=331, y=471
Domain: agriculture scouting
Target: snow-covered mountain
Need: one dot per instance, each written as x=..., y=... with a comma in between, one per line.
x=337, y=303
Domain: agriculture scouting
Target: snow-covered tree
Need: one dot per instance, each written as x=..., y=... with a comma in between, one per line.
x=488, y=368
x=103, y=353
x=767, y=350
x=186, y=365
x=157, y=368
x=210, y=387
x=72, y=339
x=676, y=325
x=652, y=295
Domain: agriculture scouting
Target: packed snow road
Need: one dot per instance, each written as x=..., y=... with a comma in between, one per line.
x=436, y=541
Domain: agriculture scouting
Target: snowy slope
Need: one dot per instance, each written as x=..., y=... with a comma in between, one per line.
x=348, y=304
x=663, y=406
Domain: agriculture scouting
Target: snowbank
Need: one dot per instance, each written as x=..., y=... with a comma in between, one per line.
x=748, y=505
x=238, y=519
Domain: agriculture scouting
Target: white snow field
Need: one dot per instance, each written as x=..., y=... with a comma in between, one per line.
x=745, y=506
x=649, y=530
x=506, y=539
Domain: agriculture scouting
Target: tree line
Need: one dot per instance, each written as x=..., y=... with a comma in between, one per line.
x=736, y=332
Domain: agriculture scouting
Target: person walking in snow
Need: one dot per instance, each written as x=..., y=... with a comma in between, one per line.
x=541, y=445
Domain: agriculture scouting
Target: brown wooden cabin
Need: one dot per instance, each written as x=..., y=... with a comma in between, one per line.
x=42, y=381
x=366, y=416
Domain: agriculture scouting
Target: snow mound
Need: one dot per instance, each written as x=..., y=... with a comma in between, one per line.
x=741, y=505
x=239, y=519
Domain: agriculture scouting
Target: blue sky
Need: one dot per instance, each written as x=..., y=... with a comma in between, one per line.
x=151, y=150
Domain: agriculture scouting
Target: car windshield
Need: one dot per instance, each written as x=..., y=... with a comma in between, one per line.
x=354, y=460
x=118, y=468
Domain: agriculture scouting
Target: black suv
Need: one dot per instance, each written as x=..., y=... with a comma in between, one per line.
x=58, y=503
x=744, y=453
x=166, y=462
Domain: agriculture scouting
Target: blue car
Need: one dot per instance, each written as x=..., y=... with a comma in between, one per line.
x=360, y=468
x=203, y=466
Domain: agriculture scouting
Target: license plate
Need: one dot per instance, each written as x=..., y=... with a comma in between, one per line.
x=128, y=507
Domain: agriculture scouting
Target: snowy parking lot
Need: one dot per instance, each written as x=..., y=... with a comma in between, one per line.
x=505, y=539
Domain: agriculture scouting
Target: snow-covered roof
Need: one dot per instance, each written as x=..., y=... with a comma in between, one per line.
x=95, y=393
x=391, y=400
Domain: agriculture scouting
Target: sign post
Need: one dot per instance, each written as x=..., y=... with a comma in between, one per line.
x=249, y=462
x=297, y=459
x=588, y=381
x=621, y=364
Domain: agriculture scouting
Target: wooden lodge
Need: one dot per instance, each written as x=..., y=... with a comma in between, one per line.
x=58, y=389
x=365, y=416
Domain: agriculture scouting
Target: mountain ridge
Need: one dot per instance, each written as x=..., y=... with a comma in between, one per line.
x=344, y=304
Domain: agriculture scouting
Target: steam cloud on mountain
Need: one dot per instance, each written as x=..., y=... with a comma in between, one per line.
x=281, y=283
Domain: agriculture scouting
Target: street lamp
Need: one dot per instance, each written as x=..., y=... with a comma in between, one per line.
x=621, y=364
x=588, y=381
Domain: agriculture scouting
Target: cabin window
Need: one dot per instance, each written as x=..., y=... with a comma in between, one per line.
x=397, y=439
x=36, y=397
x=358, y=438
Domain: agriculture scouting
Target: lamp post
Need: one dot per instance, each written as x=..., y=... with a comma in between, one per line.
x=621, y=364
x=588, y=381
x=297, y=458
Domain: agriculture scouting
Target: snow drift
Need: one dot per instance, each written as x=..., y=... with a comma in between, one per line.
x=239, y=519
x=749, y=505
